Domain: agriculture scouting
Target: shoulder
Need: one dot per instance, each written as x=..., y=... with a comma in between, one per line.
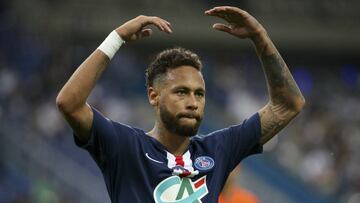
x=128, y=132
x=125, y=128
x=246, y=128
x=113, y=131
x=211, y=137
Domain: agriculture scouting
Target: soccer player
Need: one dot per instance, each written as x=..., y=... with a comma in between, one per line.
x=171, y=163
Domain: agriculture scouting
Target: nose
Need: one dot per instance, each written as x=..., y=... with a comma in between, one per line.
x=192, y=103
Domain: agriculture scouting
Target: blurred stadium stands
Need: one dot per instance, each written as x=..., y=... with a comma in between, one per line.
x=315, y=159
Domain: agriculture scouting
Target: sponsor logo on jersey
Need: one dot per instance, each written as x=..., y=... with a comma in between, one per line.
x=154, y=160
x=204, y=163
x=180, y=190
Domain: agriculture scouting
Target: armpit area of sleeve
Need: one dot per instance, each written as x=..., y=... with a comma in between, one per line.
x=255, y=120
x=90, y=142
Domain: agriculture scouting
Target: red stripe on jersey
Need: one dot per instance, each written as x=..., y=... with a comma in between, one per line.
x=179, y=161
x=199, y=182
x=185, y=174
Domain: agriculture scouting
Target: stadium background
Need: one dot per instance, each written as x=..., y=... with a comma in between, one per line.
x=315, y=159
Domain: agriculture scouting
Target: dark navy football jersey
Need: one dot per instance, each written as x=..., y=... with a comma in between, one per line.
x=138, y=169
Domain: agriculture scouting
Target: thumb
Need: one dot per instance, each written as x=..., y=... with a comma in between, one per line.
x=145, y=33
x=222, y=27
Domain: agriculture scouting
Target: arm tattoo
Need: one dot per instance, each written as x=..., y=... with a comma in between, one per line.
x=282, y=87
x=284, y=95
x=271, y=123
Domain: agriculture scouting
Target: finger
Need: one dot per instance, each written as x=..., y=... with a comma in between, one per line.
x=215, y=9
x=218, y=8
x=167, y=22
x=222, y=27
x=227, y=10
x=166, y=26
x=218, y=12
x=151, y=20
x=163, y=25
x=235, y=10
x=215, y=13
x=169, y=26
x=158, y=25
x=221, y=15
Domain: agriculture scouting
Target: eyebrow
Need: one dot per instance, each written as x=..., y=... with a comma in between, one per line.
x=187, y=88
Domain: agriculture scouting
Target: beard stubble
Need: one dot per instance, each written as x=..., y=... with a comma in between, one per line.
x=172, y=122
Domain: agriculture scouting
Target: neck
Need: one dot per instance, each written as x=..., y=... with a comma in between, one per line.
x=174, y=143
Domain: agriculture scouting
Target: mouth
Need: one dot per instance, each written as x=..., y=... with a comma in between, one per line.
x=189, y=116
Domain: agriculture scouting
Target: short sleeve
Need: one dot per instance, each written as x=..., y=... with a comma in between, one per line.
x=106, y=140
x=245, y=138
x=238, y=141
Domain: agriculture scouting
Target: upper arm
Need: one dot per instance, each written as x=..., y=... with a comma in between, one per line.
x=274, y=118
x=81, y=121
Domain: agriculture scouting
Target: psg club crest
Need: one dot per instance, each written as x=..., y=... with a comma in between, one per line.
x=204, y=163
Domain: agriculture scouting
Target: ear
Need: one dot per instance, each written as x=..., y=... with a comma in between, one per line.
x=153, y=96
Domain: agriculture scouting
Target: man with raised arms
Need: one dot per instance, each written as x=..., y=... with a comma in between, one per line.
x=171, y=163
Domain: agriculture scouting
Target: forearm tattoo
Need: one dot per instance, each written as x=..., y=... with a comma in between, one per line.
x=284, y=94
x=282, y=86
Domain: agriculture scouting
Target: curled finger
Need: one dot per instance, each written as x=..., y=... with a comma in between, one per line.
x=145, y=33
x=222, y=27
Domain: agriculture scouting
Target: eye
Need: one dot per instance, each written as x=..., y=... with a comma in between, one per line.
x=180, y=92
x=200, y=94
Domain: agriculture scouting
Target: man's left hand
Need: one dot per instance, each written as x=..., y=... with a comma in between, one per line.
x=240, y=23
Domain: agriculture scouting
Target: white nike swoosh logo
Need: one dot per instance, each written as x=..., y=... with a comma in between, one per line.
x=147, y=156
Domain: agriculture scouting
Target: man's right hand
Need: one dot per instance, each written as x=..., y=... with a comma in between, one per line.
x=135, y=29
x=71, y=100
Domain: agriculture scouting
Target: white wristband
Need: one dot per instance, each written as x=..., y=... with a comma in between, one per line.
x=111, y=44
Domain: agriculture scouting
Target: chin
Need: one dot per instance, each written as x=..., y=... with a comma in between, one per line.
x=187, y=130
